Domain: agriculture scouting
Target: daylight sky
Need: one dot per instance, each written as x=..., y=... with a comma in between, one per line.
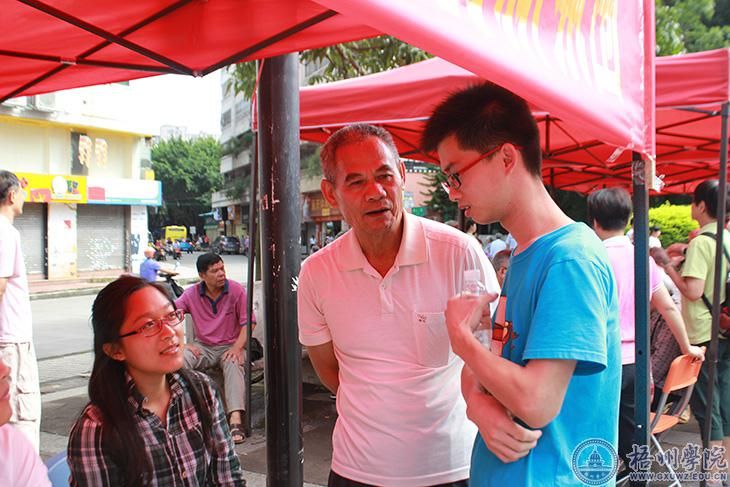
x=182, y=101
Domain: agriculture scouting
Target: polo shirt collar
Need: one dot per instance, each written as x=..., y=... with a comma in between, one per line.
x=201, y=288
x=710, y=227
x=617, y=241
x=412, y=249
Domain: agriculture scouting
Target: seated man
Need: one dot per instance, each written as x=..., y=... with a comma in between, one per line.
x=218, y=307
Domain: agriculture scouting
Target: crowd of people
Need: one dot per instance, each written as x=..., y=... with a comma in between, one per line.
x=388, y=320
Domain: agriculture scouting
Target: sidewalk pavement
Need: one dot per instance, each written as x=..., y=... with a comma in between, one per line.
x=93, y=282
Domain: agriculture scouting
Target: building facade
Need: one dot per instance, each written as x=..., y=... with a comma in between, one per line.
x=89, y=182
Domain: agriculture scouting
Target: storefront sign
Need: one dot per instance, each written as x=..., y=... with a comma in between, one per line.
x=53, y=188
x=103, y=191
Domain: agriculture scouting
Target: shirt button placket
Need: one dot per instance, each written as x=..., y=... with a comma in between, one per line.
x=386, y=296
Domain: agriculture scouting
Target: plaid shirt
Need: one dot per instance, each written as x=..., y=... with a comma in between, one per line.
x=177, y=452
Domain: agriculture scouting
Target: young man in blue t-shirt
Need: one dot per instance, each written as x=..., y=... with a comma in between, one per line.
x=546, y=397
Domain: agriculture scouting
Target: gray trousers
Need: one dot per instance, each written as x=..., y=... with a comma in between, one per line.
x=234, y=377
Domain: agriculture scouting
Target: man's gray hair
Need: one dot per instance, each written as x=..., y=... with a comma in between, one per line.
x=348, y=135
x=9, y=182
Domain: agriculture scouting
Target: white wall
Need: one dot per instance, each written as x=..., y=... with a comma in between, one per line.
x=62, y=232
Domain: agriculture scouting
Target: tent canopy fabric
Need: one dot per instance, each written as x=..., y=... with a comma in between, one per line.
x=58, y=44
x=87, y=42
x=402, y=99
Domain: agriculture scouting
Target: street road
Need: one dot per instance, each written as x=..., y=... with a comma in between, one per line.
x=62, y=326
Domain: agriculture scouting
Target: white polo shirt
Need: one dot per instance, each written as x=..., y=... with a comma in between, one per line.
x=402, y=420
x=15, y=317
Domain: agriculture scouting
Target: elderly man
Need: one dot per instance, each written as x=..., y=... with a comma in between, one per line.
x=557, y=366
x=371, y=313
x=16, y=325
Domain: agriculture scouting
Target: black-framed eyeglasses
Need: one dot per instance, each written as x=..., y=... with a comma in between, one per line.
x=153, y=327
x=453, y=180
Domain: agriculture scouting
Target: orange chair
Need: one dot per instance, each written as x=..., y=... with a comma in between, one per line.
x=682, y=375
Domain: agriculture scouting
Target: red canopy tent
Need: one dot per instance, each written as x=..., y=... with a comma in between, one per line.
x=690, y=90
x=60, y=44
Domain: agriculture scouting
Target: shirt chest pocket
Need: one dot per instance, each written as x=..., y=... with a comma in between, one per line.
x=431, y=339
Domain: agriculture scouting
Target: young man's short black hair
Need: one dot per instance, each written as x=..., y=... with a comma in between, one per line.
x=9, y=182
x=706, y=192
x=610, y=207
x=207, y=260
x=482, y=117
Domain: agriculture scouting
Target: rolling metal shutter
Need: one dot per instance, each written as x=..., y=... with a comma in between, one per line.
x=31, y=225
x=101, y=237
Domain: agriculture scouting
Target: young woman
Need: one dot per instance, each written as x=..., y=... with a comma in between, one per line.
x=148, y=421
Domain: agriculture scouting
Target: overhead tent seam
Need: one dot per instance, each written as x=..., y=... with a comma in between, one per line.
x=142, y=23
x=112, y=38
x=169, y=66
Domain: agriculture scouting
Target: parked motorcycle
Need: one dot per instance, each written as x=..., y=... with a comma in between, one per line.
x=173, y=288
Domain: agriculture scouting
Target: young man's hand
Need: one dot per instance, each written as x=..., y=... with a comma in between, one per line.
x=503, y=436
x=463, y=316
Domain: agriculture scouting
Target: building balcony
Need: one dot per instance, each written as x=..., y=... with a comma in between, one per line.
x=229, y=162
x=221, y=198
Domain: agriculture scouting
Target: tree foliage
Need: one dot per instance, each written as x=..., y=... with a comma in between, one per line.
x=190, y=172
x=438, y=206
x=340, y=61
x=675, y=221
x=691, y=25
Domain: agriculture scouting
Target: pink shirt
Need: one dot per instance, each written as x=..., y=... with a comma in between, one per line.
x=15, y=316
x=216, y=322
x=19, y=463
x=621, y=254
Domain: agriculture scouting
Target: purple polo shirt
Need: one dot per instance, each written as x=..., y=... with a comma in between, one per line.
x=217, y=322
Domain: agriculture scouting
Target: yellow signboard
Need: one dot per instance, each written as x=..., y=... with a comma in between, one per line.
x=54, y=188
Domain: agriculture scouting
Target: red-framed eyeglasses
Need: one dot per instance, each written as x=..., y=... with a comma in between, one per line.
x=453, y=180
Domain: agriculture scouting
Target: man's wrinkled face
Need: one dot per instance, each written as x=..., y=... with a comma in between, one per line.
x=215, y=276
x=368, y=188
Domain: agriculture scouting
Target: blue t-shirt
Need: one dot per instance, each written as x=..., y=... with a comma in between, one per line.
x=563, y=304
x=148, y=270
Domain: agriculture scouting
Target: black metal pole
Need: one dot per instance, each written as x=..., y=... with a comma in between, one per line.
x=278, y=105
x=641, y=299
x=251, y=283
x=719, y=279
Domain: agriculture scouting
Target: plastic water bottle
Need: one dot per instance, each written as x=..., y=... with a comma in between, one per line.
x=473, y=288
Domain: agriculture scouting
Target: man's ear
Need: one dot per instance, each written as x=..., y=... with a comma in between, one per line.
x=328, y=191
x=702, y=207
x=402, y=171
x=510, y=154
x=114, y=351
x=12, y=197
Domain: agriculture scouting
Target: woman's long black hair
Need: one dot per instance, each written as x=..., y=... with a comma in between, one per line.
x=108, y=389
